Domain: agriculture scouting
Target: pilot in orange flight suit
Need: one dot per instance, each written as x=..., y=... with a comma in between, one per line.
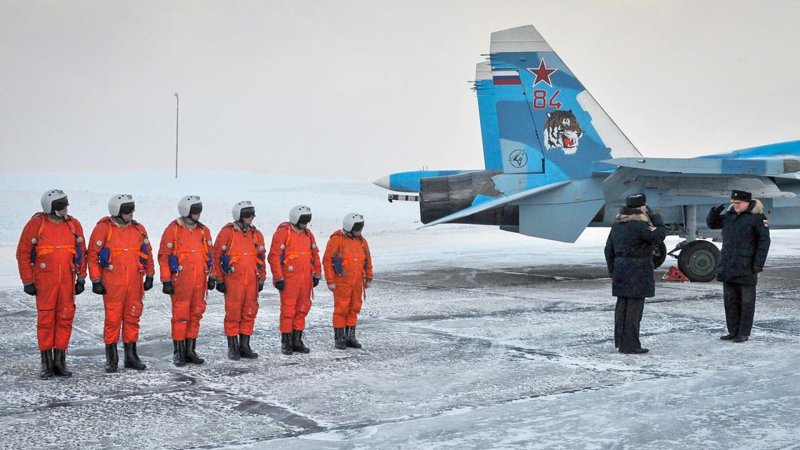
x=240, y=271
x=348, y=272
x=184, y=259
x=50, y=256
x=294, y=261
x=119, y=256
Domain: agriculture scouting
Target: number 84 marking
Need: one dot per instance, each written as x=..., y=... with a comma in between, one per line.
x=540, y=100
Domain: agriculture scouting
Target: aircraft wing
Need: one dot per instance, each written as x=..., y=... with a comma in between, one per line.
x=765, y=167
x=683, y=181
x=495, y=203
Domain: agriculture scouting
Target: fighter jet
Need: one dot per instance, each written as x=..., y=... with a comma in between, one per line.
x=555, y=163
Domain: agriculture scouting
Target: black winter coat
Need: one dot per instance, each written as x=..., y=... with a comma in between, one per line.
x=629, y=252
x=745, y=242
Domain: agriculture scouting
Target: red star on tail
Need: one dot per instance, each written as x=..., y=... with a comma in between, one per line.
x=542, y=73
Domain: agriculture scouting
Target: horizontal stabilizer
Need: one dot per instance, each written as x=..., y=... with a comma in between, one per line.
x=496, y=203
x=562, y=214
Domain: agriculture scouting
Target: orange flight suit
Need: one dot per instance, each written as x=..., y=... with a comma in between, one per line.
x=191, y=245
x=246, y=252
x=129, y=261
x=51, y=254
x=356, y=270
x=294, y=257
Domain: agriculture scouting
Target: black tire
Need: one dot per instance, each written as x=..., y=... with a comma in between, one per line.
x=699, y=260
x=659, y=255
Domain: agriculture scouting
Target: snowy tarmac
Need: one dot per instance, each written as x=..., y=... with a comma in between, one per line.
x=473, y=338
x=453, y=357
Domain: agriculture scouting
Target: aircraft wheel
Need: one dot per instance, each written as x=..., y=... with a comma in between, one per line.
x=659, y=255
x=698, y=261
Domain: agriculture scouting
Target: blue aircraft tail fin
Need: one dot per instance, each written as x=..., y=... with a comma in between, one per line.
x=535, y=113
x=484, y=90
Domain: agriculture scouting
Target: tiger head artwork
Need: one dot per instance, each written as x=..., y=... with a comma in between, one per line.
x=561, y=130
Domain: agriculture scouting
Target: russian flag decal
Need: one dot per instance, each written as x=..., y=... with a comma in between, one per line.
x=503, y=77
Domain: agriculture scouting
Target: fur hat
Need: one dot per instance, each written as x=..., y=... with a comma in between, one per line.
x=741, y=196
x=635, y=200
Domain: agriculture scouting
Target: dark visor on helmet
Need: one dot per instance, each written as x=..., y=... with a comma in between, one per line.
x=197, y=208
x=304, y=219
x=358, y=226
x=127, y=208
x=60, y=204
x=247, y=213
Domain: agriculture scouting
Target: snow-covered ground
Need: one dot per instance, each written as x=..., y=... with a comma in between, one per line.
x=472, y=338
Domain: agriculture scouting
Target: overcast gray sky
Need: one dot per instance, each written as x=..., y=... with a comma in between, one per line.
x=359, y=89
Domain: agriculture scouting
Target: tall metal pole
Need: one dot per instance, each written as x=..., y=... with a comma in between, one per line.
x=177, y=112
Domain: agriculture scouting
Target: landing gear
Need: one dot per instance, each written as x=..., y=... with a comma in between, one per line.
x=659, y=255
x=698, y=260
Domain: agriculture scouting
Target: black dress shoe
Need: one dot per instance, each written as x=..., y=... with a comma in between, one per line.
x=727, y=337
x=740, y=338
x=638, y=351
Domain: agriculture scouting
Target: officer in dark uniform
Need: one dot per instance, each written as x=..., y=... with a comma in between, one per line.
x=629, y=256
x=745, y=244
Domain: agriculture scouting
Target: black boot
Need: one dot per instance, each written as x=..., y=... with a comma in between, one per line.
x=60, y=363
x=350, y=332
x=191, y=356
x=727, y=337
x=636, y=351
x=233, y=348
x=297, y=342
x=47, y=365
x=286, y=343
x=339, y=338
x=131, y=358
x=179, y=353
x=244, y=347
x=136, y=356
x=112, y=358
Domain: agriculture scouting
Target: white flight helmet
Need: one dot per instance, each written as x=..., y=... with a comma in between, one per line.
x=186, y=203
x=298, y=212
x=49, y=197
x=243, y=205
x=116, y=202
x=351, y=220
